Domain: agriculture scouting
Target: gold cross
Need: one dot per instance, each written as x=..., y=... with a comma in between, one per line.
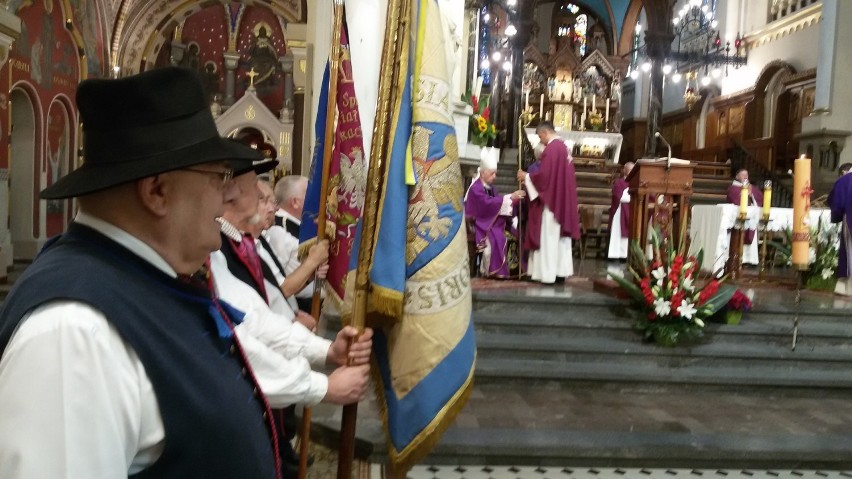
x=251, y=74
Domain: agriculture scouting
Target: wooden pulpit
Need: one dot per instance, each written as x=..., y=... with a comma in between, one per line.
x=651, y=180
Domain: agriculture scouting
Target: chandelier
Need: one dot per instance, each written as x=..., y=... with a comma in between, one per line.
x=698, y=49
x=698, y=44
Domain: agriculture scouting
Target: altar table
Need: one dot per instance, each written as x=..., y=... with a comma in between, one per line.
x=709, y=227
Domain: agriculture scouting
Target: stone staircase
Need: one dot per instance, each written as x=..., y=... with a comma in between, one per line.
x=564, y=380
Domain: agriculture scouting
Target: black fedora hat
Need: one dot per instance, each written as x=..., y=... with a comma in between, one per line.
x=144, y=125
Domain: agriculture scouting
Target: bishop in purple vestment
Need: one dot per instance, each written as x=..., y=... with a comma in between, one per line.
x=754, y=199
x=492, y=215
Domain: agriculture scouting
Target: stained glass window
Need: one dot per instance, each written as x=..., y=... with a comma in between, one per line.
x=580, y=32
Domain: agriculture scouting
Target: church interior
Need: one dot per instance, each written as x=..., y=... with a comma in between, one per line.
x=563, y=386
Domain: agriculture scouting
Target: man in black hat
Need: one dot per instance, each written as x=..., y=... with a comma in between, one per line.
x=114, y=360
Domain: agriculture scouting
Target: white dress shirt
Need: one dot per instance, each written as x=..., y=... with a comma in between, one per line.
x=277, y=301
x=77, y=402
x=286, y=247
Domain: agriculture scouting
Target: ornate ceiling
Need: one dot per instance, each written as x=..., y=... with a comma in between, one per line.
x=139, y=26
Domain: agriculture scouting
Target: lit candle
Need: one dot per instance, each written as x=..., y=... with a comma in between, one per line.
x=606, y=113
x=744, y=193
x=541, y=107
x=767, y=199
x=801, y=212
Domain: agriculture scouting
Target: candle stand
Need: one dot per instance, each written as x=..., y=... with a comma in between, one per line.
x=734, y=265
x=764, y=231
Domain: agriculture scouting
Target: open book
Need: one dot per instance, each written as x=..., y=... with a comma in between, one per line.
x=674, y=161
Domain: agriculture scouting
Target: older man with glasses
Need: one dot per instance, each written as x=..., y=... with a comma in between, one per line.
x=114, y=359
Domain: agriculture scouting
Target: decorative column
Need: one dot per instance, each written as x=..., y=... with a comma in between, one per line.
x=288, y=110
x=658, y=45
x=10, y=30
x=826, y=131
x=232, y=59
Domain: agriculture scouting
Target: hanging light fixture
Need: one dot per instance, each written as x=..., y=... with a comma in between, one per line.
x=691, y=94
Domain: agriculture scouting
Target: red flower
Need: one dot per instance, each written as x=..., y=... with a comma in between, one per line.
x=486, y=113
x=739, y=302
x=652, y=316
x=708, y=291
x=676, y=299
x=474, y=102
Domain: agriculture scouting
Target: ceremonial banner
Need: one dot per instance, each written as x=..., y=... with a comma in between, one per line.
x=347, y=177
x=419, y=273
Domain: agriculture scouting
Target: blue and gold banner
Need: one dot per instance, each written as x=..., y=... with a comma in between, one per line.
x=420, y=271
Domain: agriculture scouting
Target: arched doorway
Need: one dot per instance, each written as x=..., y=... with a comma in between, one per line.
x=23, y=224
x=58, y=164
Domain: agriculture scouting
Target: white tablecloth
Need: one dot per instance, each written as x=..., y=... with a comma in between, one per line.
x=709, y=227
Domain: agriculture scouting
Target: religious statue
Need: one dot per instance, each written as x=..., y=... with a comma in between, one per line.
x=263, y=58
x=190, y=57
x=578, y=89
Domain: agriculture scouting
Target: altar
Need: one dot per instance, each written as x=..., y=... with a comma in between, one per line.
x=709, y=227
x=587, y=144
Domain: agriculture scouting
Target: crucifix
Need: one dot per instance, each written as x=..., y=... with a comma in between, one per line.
x=251, y=74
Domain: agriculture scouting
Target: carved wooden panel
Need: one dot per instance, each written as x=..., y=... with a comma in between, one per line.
x=808, y=101
x=735, y=120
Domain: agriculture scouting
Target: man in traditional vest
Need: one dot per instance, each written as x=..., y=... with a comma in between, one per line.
x=115, y=360
x=553, y=220
x=284, y=235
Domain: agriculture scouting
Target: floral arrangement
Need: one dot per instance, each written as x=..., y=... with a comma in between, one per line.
x=739, y=302
x=822, y=256
x=481, y=130
x=671, y=305
x=595, y=120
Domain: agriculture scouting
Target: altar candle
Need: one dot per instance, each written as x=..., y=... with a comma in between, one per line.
x=767, y=198
x=478, y=88
x=584, y=104
x=801, y=212
x=527, y=103
x=744, y=194
x=606, y=113
x=541, y=107
x=593, y=102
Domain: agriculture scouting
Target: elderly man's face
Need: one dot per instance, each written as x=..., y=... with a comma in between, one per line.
x=267, y=204
x=742, y=176
x=488, y=176
x=245, y=205
x=197, y=199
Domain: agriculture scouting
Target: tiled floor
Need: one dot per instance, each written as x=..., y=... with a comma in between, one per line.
x=513, y=472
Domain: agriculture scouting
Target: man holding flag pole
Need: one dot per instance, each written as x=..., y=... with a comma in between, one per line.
x=411, y=279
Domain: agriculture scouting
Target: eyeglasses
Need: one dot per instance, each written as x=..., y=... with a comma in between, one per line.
x=225, y=175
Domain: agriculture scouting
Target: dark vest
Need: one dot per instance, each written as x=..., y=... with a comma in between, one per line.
x=292, y=228
x=211, y=429
x=239, y=269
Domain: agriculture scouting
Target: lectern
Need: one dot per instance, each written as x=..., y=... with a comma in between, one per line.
x=663, y=186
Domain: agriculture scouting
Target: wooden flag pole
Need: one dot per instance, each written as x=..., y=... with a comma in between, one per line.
x=396, y=35
x=520, y=204
x=328, y=146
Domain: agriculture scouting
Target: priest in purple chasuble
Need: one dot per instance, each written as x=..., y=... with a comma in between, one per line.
x=840, y=203
x=755, y=198
x=553, y=220
x=619, y=216
x=492, y=214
